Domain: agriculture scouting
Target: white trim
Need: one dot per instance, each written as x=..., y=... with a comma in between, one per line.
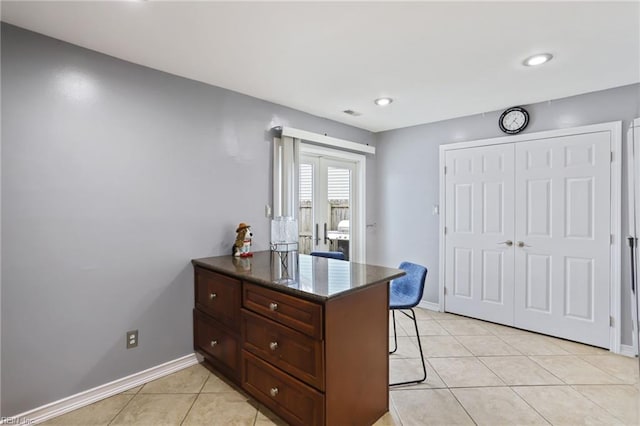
x=441, y=229
x=615, y=284
x=327, y=140
x=79, y=400
x=592, y=128
x=429, y=305
x=615, y=128
x=627, y=350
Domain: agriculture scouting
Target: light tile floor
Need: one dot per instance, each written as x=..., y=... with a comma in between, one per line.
x=478, y=373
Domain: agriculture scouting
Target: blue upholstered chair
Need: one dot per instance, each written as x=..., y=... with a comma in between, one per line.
x=404, y=294
x=330, y=254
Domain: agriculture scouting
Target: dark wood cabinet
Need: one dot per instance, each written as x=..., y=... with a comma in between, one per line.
x=221, y=347
x=219, y=297
x=293, y=312
x=216, y=321
x=291, y=399
x=315, y=356
x=288, y=349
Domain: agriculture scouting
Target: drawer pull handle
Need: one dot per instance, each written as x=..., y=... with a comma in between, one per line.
x=212, y=296
x=273, y=306
x=214, y=343
x=273, y=391
x=273, y=346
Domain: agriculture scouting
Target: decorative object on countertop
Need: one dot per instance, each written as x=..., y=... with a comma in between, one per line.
x=284, y=234
x=284, y=239
x=242, y=246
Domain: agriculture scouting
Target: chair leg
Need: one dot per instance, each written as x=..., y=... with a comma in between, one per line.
x=424, y=367
x=395, y=336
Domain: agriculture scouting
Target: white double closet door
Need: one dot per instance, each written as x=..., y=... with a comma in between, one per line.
x=527, y=235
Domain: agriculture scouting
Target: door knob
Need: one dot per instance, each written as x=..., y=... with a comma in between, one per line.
x=214, y=343
x=521, y=244
x=273, y=346
x=212, y=296
x=509, y=243
x=273, y=306
x=273, y=391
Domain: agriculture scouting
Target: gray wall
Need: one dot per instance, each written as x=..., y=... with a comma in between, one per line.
x=114, y=176
x=407, y=179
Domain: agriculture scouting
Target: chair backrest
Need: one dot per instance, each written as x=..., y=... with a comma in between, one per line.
x=410, y=286
x=329, y=254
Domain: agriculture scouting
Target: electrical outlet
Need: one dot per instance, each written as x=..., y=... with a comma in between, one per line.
x=132, y=339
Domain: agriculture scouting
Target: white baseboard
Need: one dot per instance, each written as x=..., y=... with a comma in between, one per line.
x=429, y=305
x=628, y=350
x=79, y=400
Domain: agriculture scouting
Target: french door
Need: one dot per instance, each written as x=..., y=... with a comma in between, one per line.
x=479, y=232
x=327, y=186
x=563, y=237
x=527, y=235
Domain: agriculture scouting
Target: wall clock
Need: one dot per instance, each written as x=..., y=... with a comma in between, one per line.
x=513, y=120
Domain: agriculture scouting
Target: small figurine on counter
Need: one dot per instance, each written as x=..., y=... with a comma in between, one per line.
x=242, y=246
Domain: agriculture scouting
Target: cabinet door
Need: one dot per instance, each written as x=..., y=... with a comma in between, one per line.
x=220, y=347
x=219, y=296
x=479, y=232
x=562, y=199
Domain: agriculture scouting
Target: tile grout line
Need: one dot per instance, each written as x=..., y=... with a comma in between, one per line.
x=395, y=409
x=190, y=407
x=555, y=375
x=583, y=356
x=196, y=398
x=596, y=403
x=532, y=407
x=124, y=406
x=462, y=406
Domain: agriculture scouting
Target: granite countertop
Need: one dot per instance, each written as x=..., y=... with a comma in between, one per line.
x=311, y=277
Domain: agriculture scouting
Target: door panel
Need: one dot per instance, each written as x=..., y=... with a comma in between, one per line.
x=562, y=188
x=538, y=214
x=492, y=276
x=326, y=203
x=538, y=282
x=479, y=221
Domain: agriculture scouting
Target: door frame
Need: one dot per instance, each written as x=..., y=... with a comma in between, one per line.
x=358, y=189
x=285, y=162
x=615, y=252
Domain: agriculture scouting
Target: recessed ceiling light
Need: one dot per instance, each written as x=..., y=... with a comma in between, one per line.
x=536, y=60
x=383, y=101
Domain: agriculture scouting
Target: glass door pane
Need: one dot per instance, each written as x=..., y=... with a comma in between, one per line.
x=339, y=206
x=305, y=213
x=325, y=204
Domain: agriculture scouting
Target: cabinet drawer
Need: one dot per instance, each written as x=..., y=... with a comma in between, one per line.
x=294, y=401
x=212, y=339
x=298, y=314
x=219, y=296
x=290, y=350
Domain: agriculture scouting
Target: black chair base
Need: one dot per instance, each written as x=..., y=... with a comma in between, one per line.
x=395, y=345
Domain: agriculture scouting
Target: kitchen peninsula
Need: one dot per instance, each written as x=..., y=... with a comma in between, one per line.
x=309, y=340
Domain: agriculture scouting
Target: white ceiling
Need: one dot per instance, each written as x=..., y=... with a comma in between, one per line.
x=437, y=60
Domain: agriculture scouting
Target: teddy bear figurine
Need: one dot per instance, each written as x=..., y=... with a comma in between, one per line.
x=242, y=246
